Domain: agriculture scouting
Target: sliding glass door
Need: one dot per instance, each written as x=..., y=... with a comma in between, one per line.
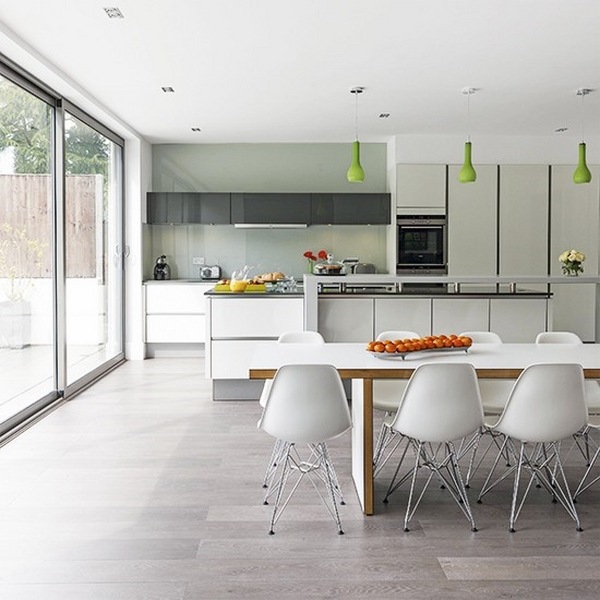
x=27, y=365
x=61, y=229
x=92, y=240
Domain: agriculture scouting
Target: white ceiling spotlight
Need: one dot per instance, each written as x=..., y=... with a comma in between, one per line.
x=113, y=12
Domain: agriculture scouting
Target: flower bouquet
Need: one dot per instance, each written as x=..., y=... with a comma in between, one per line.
x=321, y=255
x=571, y=262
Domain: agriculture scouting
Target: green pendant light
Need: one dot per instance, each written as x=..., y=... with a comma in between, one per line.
x=356, y=173
x=582, y=174
x=467, y=174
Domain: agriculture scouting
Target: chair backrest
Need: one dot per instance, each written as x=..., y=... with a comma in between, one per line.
x=483, y=337
x=440, y=403
x=306, y=404
x=301, y=337
x=397, y=334
x=558, y=337
x=547, y=403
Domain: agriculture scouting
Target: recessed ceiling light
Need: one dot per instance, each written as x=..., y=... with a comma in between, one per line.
x=384, y=115
x=561, y=129
x=112, y=12
x=168, y=89
x=196, y=129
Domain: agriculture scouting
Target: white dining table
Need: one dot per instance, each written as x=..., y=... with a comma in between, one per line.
x=491, y=361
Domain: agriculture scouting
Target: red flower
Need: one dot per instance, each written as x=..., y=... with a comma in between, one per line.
x=322, y=254
x=308, y=254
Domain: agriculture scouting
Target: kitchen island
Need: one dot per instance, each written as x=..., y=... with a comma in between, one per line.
x=355, y=308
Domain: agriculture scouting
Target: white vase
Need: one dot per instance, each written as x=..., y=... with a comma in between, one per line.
x=15, y=324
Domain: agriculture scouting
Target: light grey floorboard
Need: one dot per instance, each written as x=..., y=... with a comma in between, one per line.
x=142, y=487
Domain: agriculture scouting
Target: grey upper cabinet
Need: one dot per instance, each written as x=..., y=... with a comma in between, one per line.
x=188, y=207
x=270, y=208
x=350, y=209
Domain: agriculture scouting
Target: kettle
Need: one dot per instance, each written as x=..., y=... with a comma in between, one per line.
x=162, y=271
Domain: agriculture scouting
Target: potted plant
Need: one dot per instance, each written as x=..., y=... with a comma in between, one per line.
x=20, y=259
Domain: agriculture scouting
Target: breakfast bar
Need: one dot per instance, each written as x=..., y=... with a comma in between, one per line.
x=491, y=361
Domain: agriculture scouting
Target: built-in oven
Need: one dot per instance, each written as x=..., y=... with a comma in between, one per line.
x=421, y=245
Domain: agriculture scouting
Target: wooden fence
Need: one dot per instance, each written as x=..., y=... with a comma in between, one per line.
x=26, y=225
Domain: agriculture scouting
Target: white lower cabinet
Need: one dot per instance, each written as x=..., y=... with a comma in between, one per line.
x=237, y=326
x=175, y=312
x=413, y=314
x=346, y=319
x=519, y=320
x=455, y=315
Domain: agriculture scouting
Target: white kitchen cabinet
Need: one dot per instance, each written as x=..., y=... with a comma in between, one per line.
x=230, y=359
x=518, y=320
x=413, y=314
x=575, y=220
x=237, y=325
x=454, y=315
x=175, y=312
x=346, y=319
x=255, y=317
x=472, y=222
x=421, y=189
x=523, y=224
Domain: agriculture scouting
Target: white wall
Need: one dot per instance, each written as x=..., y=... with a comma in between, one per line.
x=553, y=149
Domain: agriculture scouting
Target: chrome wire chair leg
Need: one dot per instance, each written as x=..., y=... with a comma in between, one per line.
x=285, y=453
x=332, y=475
x=394, y=485
x=584, y=484
x=544, y=466
x=331, y=478
x=272, y=464
x=382, y=441
x=317, y=464
x=274, y=482
x=488, y=484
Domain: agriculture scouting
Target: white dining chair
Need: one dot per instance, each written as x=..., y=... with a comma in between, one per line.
x=306, y=405
x=546, y=406
x=386, y=397
x=592, y=386
x=287, y=337
x=557, y=337
x=494, y=394
x=433, y=420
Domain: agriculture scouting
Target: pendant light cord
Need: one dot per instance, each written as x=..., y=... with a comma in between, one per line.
x=469, y=116
x=583, y=94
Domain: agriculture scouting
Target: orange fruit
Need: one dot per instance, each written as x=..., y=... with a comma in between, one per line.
x=466, y=340
x=390, y=347
x=457, y=343
x=378, y=347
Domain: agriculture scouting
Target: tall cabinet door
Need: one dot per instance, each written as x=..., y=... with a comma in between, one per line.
x=472, y=222
x=575, y=218
x=523, y=221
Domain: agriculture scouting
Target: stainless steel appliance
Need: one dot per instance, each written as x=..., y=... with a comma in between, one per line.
x=210, y=272
x=421, y=245
x=162, y=270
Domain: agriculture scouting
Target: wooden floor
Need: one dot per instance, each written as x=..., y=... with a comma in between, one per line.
x=144, y=488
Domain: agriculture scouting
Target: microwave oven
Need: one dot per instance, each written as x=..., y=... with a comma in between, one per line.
x=421, y=245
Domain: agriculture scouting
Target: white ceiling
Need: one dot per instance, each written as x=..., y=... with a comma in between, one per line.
x=282, y=70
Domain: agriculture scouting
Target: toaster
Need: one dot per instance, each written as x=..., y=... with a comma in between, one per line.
x=212, y=272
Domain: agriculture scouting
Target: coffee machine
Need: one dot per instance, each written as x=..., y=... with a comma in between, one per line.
x=162, y=271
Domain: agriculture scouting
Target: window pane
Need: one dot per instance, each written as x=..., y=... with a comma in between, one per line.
x=92, y=235
x=26, y=290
